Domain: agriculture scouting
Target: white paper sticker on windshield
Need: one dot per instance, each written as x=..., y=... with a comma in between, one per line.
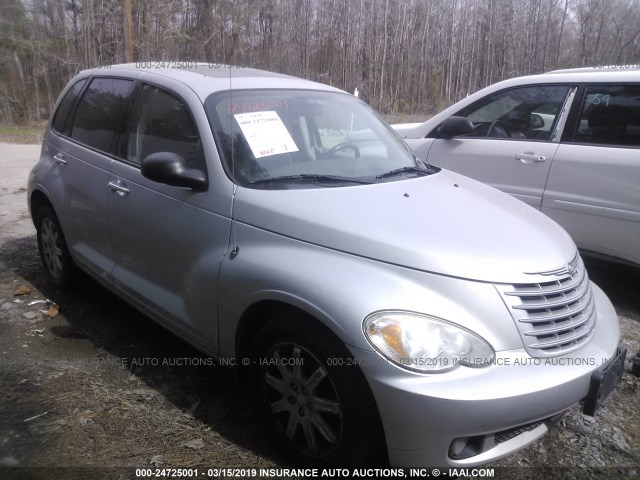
x=265, y=133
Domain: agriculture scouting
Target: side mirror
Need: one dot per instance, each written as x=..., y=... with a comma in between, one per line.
x=535, y=121
x=454, y=126
x=170, y=168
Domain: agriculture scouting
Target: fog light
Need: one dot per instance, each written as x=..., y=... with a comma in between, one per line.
x=458, y=445
x=468, y=447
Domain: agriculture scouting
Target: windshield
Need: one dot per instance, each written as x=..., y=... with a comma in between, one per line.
x=302, y=138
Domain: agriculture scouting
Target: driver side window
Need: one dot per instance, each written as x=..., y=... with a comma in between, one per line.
x=526, y=113
x=162, y=123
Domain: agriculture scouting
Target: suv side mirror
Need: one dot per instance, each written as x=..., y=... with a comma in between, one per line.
x=535, y=121
x=454, y=126
x=170, y=168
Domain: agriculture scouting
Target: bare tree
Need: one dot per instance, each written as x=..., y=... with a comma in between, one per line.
x=403, y=55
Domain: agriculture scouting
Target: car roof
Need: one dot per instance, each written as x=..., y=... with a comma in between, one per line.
x=605, y=68
x=207, y=78
x=574, y=75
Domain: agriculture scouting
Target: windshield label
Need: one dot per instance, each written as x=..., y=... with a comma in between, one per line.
x=257, y=106
x=265, y=133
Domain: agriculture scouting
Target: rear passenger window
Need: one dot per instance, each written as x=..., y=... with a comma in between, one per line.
x=99, y=118
x=610, y=115
x=62, y=114
x=162, y=123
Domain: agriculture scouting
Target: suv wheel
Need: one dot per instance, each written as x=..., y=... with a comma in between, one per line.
x=317, y=402
x=53, y=248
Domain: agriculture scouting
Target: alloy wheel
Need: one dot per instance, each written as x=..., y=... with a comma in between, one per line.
x=52, y=248
x=302, y=399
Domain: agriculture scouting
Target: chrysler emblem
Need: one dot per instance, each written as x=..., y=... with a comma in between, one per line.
x=569, y=269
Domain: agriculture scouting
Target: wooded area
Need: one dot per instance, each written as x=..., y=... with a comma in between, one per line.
x=403, y=56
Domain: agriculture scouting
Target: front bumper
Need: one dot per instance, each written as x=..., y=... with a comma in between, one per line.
x=495, y=410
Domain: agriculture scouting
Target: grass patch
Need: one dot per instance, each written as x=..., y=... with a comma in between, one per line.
x=28, y=134
x=392, y=118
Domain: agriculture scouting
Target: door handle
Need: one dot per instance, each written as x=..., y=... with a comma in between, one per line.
x=119, y=189
x=530, y=157
x=59, y=158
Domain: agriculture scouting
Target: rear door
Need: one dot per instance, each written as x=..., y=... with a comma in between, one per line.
x=513, y=143
x=83, y=150
x=594, y=183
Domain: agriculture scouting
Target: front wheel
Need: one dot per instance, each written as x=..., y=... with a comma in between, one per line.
x=53, y=249
x=319, y=408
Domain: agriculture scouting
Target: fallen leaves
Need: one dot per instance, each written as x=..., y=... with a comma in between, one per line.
x=53, y=310
x=22, y=290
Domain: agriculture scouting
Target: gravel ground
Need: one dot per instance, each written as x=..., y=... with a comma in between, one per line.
x=87, y=381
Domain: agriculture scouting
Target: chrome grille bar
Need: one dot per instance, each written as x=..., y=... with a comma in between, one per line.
x=569, y=311
x=553, y=317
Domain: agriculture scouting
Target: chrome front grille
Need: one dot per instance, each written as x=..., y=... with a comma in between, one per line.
x=554, y=317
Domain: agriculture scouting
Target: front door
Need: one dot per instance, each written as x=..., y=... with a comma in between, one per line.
x=168, y=241
x=512, y=145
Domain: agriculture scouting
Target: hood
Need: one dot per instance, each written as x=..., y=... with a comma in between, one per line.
x=443, y=223
x=403, y=129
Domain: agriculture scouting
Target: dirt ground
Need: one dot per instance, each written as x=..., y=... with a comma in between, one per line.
x=87, y=381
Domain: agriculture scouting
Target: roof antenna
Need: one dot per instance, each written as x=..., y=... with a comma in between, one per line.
x=234, y=239
x=233, y=157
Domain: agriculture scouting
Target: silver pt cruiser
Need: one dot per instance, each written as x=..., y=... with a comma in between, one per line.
x=383, y=307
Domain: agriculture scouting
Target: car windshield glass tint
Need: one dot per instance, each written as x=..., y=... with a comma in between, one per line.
x=299, y=134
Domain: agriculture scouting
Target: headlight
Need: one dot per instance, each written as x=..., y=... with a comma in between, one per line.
x=425, y=344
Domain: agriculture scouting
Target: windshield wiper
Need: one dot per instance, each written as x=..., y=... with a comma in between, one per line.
x=309, y=177
x=407, y=169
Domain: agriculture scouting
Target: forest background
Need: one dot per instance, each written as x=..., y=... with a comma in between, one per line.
x=404, y=56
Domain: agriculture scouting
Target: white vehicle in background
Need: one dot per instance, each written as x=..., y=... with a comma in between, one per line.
x=565, y=142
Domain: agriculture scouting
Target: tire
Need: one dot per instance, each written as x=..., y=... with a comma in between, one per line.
x=53, y=249
x=320, y=414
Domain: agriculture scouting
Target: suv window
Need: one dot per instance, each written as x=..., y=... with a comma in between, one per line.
x=527, y=113
x=99, y=118
x=62, y=114
x=162, y=123
x=610, y=115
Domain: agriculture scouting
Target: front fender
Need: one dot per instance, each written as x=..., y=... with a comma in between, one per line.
x=340, y=290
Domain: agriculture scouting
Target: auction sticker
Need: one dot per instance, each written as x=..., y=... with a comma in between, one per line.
x=265, y=133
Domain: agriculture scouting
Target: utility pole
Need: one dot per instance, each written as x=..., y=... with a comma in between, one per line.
x=128, y=43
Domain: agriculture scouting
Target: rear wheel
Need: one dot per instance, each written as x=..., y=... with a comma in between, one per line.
x=53, y=249
x=317, y=402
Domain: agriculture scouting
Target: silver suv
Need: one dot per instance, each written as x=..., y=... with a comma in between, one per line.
x=382, y=307
x=566, y=142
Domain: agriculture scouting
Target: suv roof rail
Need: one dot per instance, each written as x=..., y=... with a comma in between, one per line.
x=599, y=68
